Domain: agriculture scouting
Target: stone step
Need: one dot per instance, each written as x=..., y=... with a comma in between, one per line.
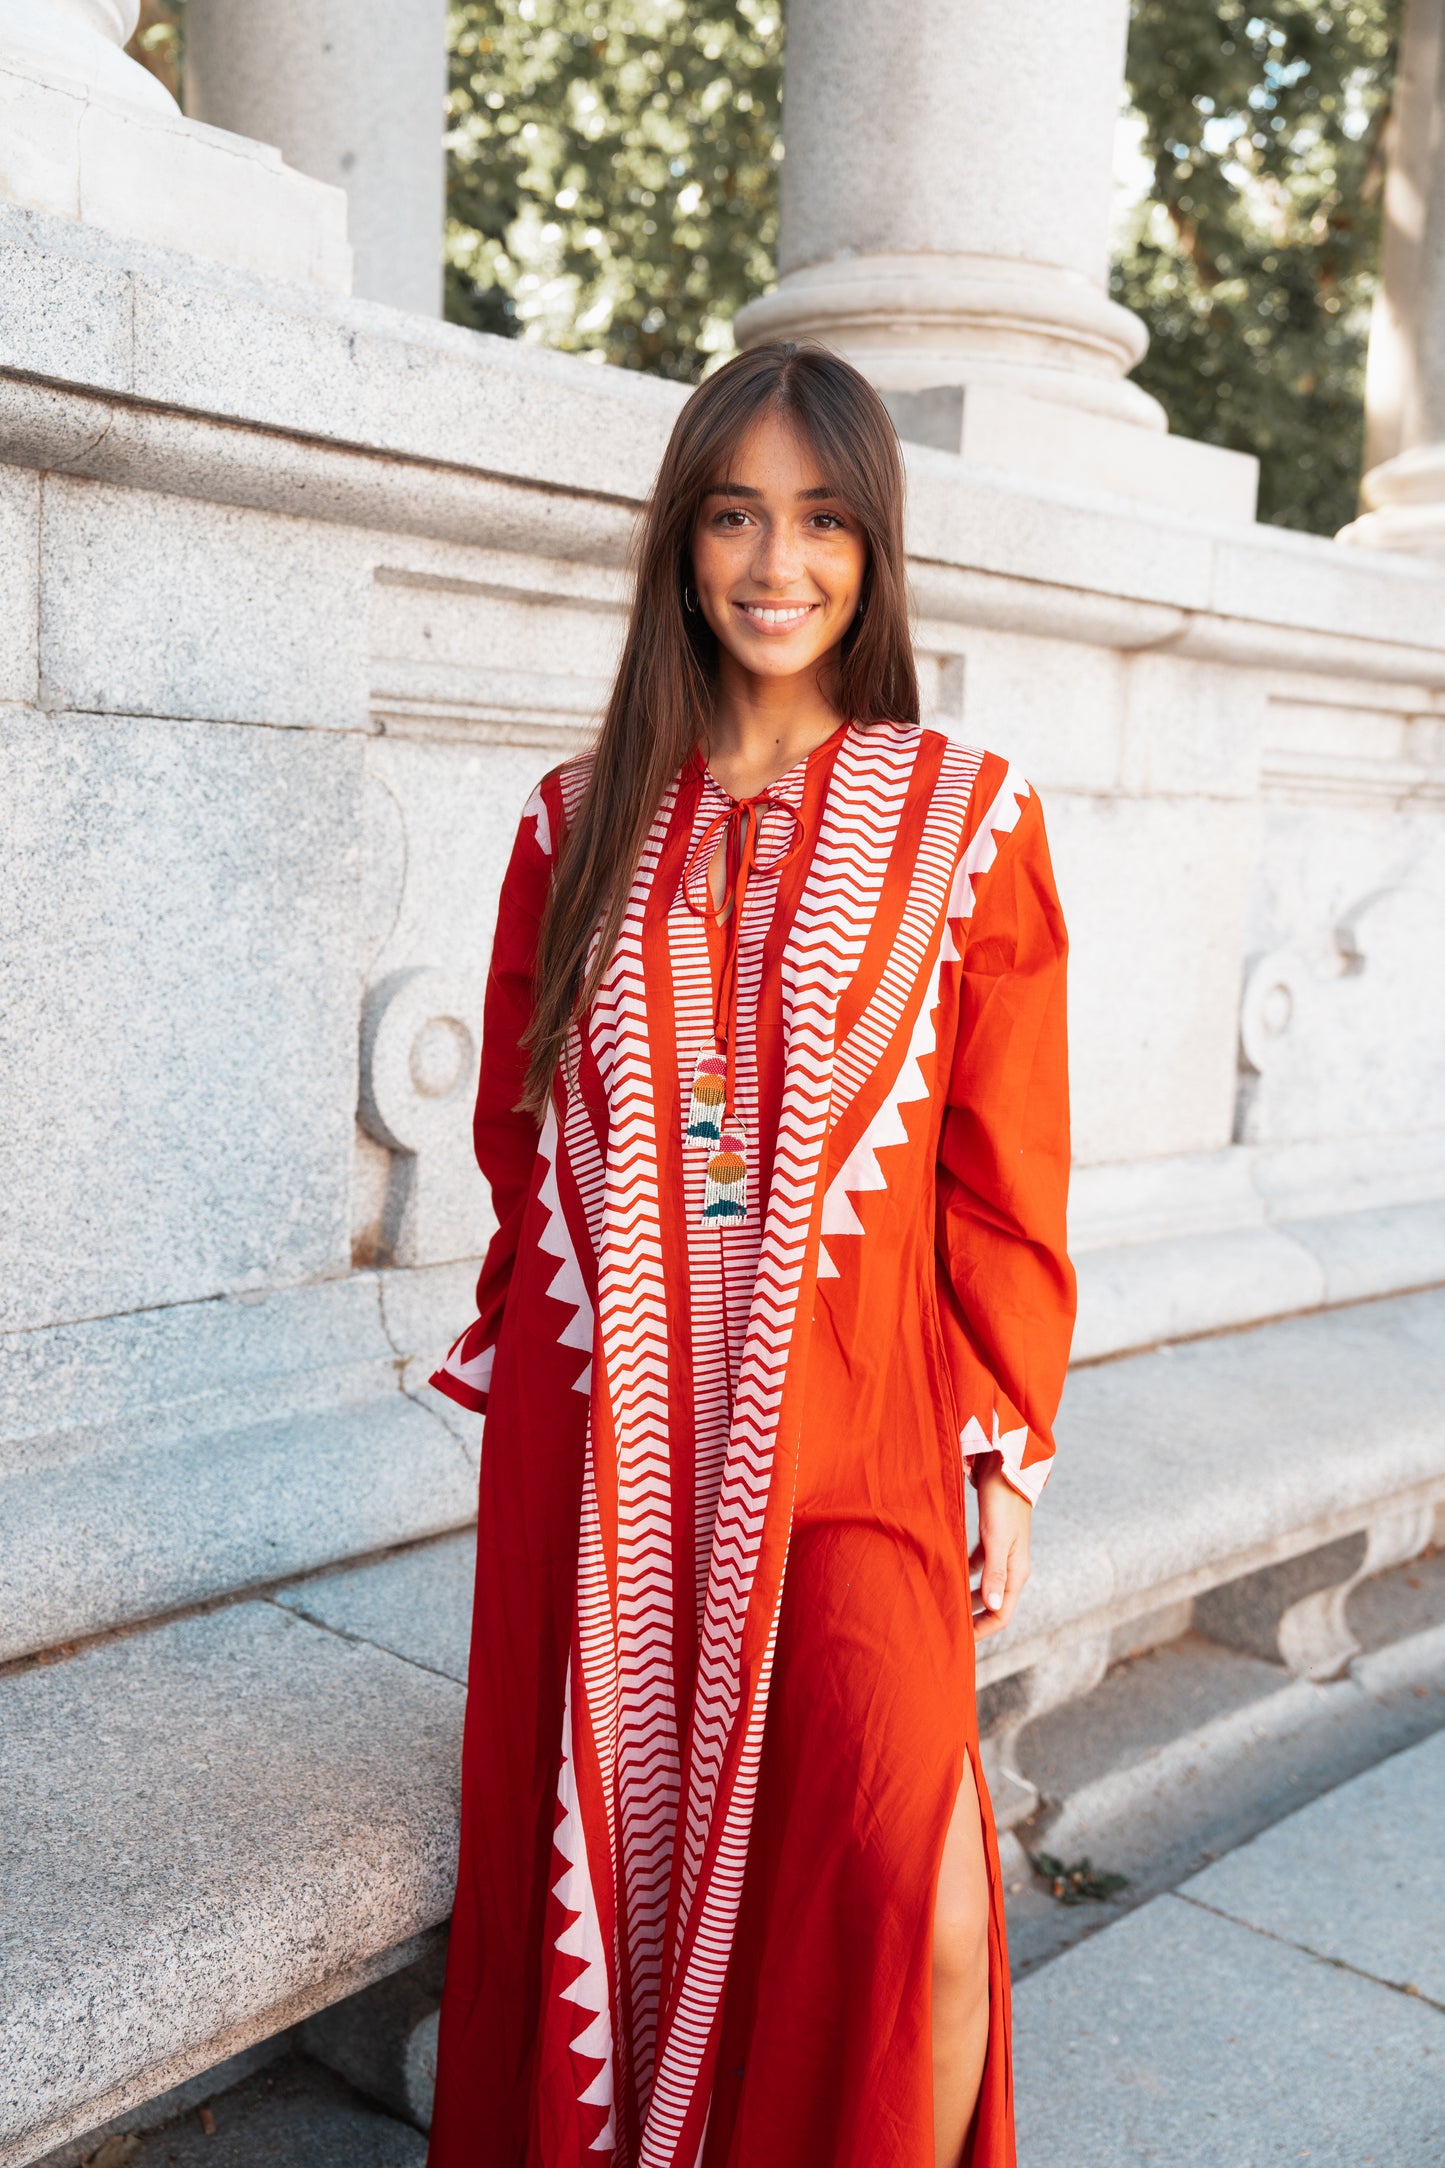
x=1288, y=2003
x=1186, y=1752
x=292, y=2114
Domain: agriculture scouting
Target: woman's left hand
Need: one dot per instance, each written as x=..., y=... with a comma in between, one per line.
x=1001, y=1552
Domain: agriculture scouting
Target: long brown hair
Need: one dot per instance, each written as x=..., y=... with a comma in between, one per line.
x=662, y=697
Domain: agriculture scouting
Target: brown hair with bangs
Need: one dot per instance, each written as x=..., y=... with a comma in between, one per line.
x=661, y=705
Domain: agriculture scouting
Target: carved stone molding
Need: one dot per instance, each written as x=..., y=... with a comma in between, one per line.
x=420, y=1046
x=1294, y=1613
x=1007, y=1708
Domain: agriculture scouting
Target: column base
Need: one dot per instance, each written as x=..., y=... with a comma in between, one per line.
x=1405, y=505
x=138, y=168
x=924, y=323
x=1070, y=447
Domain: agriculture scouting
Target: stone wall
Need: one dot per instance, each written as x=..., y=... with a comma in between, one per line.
x=298, y=596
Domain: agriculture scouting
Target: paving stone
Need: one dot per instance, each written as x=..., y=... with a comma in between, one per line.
x=1355, y=1876
x=1406, y=1601
x=1188, y=1751
x=1188, y=2041
x=169, y=2107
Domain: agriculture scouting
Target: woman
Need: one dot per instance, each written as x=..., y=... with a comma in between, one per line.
x=773, y=1108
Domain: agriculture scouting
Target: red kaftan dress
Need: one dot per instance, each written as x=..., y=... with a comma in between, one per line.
x=722, y=1667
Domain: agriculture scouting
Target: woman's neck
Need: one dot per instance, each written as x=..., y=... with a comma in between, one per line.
x=762, y=726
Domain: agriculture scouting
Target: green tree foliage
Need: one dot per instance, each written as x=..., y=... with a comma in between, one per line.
x=612, y=173
x=1253, y=260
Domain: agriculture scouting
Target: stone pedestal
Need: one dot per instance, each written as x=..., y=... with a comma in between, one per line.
x=89, y=134
x=354, y=92
x=1404, y=487
x=945, y=223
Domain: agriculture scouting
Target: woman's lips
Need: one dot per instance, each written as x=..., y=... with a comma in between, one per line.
x=776, y=617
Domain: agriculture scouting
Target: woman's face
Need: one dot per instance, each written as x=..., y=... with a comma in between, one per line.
x=778, y=558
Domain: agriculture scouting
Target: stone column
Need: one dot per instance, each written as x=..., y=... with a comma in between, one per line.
x=352, y=91
x=945, y=205
x=87, y=133
x=1404, y=487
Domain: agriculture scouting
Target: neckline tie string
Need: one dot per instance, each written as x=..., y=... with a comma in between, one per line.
x=739, y=828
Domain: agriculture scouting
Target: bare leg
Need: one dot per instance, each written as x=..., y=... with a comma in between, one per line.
x=960, y=1976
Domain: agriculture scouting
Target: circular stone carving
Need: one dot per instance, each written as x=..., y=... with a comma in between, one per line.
x=1276, y=1007
x=441, y=1057
x=1270, y=1005
x=419, y=1048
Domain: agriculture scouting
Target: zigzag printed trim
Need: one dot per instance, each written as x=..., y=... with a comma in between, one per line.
x=535, y=810
x=582, y=1939
x=1010, y=1445
x=643, y=1748
x=937, y=865
x=834, y=917
x=1001, y=819
x=567, y=1284
x=861, y=1170
x=472, y=1371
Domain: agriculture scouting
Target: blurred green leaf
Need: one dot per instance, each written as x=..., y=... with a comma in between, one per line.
x=1254, y=261
x=612, y=173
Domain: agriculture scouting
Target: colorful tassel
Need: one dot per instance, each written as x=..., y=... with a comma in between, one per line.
x=725, y=1193
x=709, y=1097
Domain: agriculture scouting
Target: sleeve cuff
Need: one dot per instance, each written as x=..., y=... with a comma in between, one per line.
x=1009, y=1451
x=466, y=1374
x=465, y=1396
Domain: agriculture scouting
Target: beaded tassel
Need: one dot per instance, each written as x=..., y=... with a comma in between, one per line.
x=725, y=1193
x=709, y=1096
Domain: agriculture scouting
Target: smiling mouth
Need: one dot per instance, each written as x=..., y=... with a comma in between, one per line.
x=777, y=616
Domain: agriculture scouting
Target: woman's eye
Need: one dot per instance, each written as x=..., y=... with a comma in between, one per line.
x=831, y=519
x=726, y=519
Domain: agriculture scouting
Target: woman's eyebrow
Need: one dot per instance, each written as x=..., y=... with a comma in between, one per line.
x=744, y=489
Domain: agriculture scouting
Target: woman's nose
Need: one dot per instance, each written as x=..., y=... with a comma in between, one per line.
x=778, y=557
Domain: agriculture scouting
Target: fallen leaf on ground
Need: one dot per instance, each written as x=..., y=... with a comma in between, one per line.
x=116, y=2150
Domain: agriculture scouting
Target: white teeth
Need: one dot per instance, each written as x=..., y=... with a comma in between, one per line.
x=777, y=617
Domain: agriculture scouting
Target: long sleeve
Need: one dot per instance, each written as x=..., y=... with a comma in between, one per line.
x=505, y=1140
x=1006, y=1288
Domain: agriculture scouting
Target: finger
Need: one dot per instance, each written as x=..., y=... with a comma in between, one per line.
x=993, y=1577
x=994, y=1582
x=991, y=1617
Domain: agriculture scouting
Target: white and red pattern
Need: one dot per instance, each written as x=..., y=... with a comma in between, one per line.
x=698, y=1338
